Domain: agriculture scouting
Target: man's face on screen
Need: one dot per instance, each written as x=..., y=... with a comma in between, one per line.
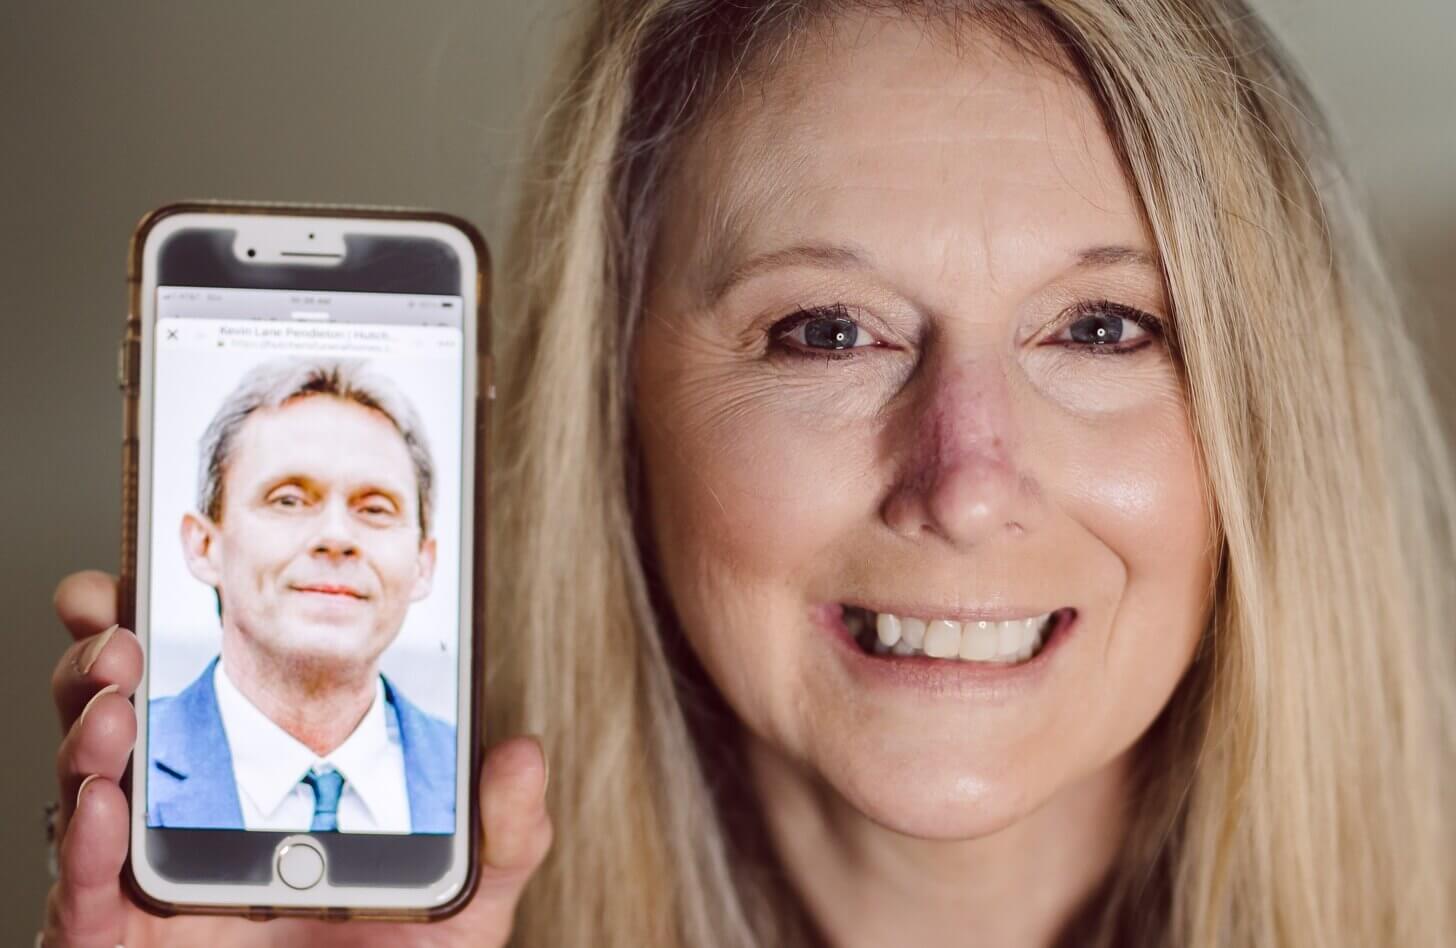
x=318, y=552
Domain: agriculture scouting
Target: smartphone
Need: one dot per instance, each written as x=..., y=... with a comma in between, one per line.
x=304, y=469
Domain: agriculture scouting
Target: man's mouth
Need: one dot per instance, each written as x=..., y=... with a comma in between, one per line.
x=1002, y=642
x=329, y=589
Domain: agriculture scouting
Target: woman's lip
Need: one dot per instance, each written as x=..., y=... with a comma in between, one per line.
x=931, y=612
x=965, y=680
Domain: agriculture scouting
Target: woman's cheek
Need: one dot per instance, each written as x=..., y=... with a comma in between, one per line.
x=762, y=467
x=1115, y=445
x=1135, y=474
x=746, y=497
x=1137, y=487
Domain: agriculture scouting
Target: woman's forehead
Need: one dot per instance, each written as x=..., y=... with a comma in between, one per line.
x=991, y=160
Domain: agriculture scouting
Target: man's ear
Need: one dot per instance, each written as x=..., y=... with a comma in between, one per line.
x=425, y=580
x=201, y=548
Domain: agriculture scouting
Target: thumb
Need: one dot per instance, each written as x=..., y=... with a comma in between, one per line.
x=514, y=823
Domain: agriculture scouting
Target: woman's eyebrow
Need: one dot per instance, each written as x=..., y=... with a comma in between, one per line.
x=828, y=256
x=850, y=257
x=1113, y=255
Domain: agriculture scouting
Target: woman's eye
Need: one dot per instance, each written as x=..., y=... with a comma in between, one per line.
x=1109, y=328
x=825, y=329
x=1097, y=327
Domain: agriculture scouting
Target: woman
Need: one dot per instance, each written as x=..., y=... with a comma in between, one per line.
x=964, y=479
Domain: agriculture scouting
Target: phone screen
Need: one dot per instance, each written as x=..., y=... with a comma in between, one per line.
x=301, y=578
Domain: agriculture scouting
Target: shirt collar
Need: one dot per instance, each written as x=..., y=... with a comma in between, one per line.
x=268, y=762
x=362, y=755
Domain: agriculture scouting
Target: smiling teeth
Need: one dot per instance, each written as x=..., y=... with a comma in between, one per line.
x=1004, y=642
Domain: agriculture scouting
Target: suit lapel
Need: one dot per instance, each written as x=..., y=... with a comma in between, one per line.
x=190, y=780
x=429, y=765
x=191, y=783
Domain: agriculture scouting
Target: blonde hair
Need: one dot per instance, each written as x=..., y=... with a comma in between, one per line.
x=1291, y=793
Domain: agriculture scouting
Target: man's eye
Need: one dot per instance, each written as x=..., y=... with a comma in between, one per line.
x=819, y=330
x=377, y=507
x=287, y=500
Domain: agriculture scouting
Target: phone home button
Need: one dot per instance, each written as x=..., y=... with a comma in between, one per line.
x=300, y=865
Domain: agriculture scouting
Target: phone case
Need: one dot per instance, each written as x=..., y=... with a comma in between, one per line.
x=128, y=377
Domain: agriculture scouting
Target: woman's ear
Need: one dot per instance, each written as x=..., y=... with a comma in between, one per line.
x=201, y=549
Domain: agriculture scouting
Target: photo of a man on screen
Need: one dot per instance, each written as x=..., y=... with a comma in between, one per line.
x=313, y=527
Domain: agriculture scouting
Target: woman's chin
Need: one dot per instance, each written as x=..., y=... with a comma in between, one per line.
x=944, y=799
x=960, y=808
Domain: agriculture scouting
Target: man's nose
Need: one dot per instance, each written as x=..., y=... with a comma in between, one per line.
x=335, y=536
x=962, y=476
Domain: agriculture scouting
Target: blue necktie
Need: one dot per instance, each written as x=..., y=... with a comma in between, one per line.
x=327, y=788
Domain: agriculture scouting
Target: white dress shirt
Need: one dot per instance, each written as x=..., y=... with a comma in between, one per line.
x=269, y=765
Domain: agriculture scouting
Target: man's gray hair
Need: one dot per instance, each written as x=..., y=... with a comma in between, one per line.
x=274, y=384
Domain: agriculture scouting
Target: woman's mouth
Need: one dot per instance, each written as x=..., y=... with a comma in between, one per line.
x=1007, y=642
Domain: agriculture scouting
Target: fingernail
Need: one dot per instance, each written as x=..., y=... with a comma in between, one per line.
x=545, y=763
x=92, y=651
x=104, y=691
x=82, y=789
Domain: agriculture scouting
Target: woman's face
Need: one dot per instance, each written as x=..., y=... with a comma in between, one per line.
x=868, y=375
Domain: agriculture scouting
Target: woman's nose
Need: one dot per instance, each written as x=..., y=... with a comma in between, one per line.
x=962, y=476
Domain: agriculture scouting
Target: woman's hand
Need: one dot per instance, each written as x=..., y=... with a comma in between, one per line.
x=87, y=907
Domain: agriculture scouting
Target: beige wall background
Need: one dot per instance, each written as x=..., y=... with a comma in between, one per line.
x=110, y=109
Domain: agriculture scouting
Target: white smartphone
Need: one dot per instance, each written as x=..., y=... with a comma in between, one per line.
x=302, y=558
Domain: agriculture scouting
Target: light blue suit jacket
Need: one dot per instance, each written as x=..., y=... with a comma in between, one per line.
x=190, y=783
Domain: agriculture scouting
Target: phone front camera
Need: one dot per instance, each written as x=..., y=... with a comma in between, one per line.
x=252, y=252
